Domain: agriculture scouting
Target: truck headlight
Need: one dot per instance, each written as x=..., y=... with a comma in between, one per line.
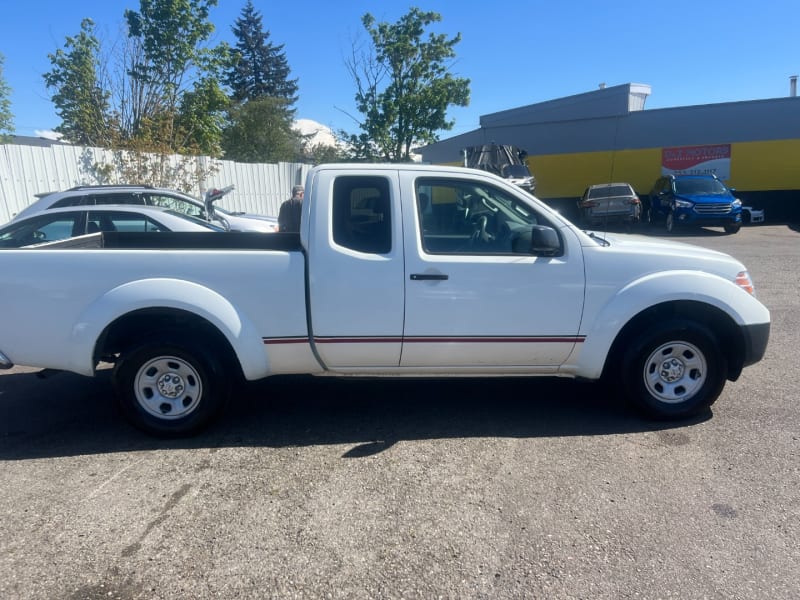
x=743, y=281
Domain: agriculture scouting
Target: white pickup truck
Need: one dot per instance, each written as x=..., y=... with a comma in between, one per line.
x=398, y=270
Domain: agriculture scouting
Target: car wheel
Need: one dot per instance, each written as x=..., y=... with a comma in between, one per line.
x=170, y=387
x=674, y=370
x=670, y=222
x=732, y=228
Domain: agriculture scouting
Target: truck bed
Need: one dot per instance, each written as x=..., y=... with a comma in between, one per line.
x=184, y=240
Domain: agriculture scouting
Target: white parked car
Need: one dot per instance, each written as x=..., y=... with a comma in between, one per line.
x=752, y=215
x=143, y=195
x=73, y=221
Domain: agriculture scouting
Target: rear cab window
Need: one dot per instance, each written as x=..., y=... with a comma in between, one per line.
x=361, y=214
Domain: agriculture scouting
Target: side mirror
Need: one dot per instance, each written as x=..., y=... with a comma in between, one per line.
x=540, y=241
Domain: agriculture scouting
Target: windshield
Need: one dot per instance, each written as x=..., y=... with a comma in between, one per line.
x=516, y=171
x=699, y=186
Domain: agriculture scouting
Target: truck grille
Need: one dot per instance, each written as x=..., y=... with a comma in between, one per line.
x=717, y=208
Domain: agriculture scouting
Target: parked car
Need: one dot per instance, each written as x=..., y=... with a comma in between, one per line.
x=700, y=200
x=142, y=195
x=752, y=215
x=73, y=221
x=610, y=203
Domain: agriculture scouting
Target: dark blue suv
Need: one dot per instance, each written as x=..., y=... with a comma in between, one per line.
x=699, y=200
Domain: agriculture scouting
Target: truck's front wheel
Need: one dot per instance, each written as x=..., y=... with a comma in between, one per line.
x=169, y=388
x=674, y=370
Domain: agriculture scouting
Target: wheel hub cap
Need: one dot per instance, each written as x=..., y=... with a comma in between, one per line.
x=675, y=371
x=672, y=370
x=170, y=385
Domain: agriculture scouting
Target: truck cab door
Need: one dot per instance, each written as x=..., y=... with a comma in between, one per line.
x=355, y=268
x=478, y=298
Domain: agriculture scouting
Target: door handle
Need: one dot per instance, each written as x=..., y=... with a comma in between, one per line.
x=428, y=277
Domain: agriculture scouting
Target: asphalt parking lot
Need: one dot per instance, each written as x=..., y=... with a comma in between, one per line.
x=316, y=488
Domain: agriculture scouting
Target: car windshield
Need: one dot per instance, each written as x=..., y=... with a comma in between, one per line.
x=516, y=171
x=699, y=186
x=610, y=191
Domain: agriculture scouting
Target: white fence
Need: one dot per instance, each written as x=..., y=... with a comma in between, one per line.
x=29, y=170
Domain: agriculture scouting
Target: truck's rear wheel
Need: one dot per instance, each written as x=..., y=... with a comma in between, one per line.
x=169, y=387
x=674, y=370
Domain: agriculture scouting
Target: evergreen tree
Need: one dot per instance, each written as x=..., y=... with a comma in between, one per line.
x=261, y=69
x=260, y=132
x=6, y=118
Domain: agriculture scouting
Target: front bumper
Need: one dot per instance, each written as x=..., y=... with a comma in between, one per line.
x=755, y=342
x=689, y=217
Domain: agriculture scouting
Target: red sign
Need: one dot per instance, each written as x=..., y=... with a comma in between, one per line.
x=697, y=160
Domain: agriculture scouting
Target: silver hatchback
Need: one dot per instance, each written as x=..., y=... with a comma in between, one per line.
x=608, y=203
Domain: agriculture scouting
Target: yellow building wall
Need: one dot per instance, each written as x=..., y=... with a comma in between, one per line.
x=755, y=166
x=766, y=166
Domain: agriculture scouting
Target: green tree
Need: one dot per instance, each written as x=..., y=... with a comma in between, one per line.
x=260, y=67
x=167, y=61
x=201, y=119
x=260, y=132
x=6, y=118
x=78, y=94
x=403, y=86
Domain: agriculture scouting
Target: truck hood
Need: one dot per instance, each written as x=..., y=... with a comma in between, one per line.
x=669, y=253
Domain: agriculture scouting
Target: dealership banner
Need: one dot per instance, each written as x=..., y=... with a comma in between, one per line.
x=697, y=160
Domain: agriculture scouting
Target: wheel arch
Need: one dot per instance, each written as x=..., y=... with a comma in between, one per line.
x=728, y=333
x=142, y=305
x=131, y=328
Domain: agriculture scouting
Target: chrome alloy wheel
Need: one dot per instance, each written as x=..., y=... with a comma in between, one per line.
x=168, y=387
x=675, y=371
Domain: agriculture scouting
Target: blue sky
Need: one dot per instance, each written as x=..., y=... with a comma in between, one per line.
x=515, y=53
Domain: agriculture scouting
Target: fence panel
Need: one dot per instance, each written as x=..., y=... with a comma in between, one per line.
x=26, y=171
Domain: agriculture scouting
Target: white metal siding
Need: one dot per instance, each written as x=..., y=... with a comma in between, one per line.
x=29, y=170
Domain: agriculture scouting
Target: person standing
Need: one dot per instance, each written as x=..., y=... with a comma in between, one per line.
x=289, y=214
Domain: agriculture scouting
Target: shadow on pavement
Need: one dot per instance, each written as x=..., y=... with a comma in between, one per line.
x=69, y=415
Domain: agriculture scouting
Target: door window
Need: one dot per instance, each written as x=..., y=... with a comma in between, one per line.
x=471, y=217
x=177, y=204
x=361, y=215
x=122, y=221
x=46, y=228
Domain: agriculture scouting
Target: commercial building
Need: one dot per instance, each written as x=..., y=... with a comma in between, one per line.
x=607, y=135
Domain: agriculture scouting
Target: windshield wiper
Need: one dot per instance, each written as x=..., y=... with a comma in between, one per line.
x=594, y=236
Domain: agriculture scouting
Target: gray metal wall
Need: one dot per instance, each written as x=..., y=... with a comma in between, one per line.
x=29, y=170
x=757, y=120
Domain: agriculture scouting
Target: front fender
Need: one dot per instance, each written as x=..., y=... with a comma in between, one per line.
x=602, y=324
x=167, y=293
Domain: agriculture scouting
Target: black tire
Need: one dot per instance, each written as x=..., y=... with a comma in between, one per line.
x=732, y=228
x=170, y=387
x=674, y=370
x=669, y=223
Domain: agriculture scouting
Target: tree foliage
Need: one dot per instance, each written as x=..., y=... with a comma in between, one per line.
x=80, y=99
x=170, y=68
x=260, y=132
x=403, y=86
x=260, y=67
x=6, y=118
